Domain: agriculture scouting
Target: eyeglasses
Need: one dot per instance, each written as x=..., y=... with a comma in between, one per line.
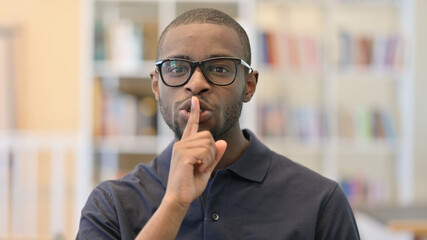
x=220, y=71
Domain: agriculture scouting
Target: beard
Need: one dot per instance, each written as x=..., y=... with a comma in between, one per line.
x=231, y=115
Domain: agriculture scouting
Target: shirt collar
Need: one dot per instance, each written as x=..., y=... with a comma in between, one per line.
x=252, y=165
x=255, y=160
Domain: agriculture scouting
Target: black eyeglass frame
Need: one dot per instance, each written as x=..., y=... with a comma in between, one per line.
x=195, y=64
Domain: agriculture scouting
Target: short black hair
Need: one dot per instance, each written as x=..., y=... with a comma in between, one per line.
x=213, y=16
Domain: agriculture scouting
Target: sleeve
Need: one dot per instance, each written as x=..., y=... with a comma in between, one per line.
x=98, y=217
x=336, y=219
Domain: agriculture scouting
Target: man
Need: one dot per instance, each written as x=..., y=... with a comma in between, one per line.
x=214, y=181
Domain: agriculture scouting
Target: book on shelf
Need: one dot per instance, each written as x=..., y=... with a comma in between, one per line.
x=273, y=119
x=294, y=50
x=150, y=36
x=121, y=114
x=345, y=49
x=380, y=52
x=124, y=43
x=114, y=165
x=346, y=125
x=289, y=51
x=106, y=166
x=361, y=191
x=378, y=127
x=312, y=123
x=364, y=52
x=97, y=107
x=304, y=124
x=363, y=124
x=367, y=124
x=99, y=41
x=311, y=52
x=146, y=116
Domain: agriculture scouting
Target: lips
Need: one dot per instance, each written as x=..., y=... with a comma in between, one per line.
x=205, y=111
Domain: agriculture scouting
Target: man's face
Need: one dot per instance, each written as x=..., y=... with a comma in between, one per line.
x=220, y=105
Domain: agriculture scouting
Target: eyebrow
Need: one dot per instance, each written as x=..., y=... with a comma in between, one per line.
x=179, y=56
x=189, y=58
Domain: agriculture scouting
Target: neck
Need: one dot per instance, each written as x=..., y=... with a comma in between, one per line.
x=236, y=145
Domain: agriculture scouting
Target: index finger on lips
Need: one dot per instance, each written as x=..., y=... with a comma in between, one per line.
x=193, y=121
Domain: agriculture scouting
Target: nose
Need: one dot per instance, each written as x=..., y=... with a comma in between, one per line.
x=198, y=83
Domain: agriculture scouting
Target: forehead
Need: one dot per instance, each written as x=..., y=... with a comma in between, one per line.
x=199, y=41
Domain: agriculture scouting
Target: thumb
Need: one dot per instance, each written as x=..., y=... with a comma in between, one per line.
x=220, y=146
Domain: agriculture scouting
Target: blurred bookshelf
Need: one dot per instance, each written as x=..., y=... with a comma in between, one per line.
x=335, y=71
x=329, y=94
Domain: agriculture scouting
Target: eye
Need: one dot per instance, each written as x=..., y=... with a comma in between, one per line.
x=176, y=68
x=218, y=69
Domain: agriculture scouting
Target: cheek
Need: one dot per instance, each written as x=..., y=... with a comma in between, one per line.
x=164, y=98
x=240, y=90
x=164, y=93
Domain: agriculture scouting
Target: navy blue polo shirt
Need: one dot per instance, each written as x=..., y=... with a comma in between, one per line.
x=263, y=195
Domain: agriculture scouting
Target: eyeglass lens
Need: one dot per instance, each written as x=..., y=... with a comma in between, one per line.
x=218, y=71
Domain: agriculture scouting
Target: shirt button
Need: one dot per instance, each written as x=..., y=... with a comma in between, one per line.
x=215, y=216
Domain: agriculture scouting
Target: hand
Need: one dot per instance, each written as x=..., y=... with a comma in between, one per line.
x=194, y=158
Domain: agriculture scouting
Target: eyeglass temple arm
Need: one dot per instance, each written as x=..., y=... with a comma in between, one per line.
x=246, y=65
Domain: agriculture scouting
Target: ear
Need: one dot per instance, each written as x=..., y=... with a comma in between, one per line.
x=251, y=82
x=155, y=84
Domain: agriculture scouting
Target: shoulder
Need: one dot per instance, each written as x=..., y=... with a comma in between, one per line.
x=281, y=171
x=289, y=169
x=335, y=219
x=111, y=208
x=142, y=181
x=143, y=184
x=292, y=180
